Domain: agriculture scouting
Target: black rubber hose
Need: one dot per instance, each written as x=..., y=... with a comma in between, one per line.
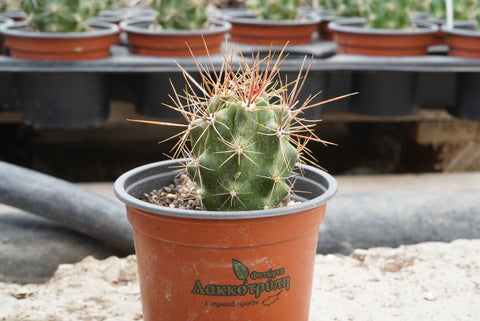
x=66, y=204
x=394, y=218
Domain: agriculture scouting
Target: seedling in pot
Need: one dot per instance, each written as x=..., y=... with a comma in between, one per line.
x=245, y=132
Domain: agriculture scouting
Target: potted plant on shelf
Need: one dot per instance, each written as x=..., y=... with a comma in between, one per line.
x=464, y=15
x=58, y=30
x=385, y=29
x=273, y=22
x=175, y=24
x=464, y=42
x=241, y=256
x=336, y=9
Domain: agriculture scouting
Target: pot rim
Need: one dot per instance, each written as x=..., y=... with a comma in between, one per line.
x=128, y=25
x=101, y=28
x=249, y=18
x=460, y=31
x=5, y=21
x=350, y=25
x=122, y=184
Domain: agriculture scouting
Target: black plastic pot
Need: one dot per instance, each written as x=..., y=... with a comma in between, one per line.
x=9, y=91
x=314, y=188
x=152, y=90
x=59, y=100
x=316, y=82
x=468, y=97
x=436, y=90
x=384, y=93
x=339, y=83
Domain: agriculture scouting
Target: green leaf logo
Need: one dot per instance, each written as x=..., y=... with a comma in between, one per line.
x=240, y=270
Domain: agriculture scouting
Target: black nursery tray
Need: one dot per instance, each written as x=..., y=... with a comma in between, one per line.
x=77, y=93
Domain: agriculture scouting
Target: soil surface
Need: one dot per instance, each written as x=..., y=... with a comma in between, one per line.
x=427, y=281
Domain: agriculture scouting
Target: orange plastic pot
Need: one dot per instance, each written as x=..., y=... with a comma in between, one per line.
x=173, y=43
x=27, y=44
x=217, y=266
x=4, y=21
x=353, y=38
x=463, y=42
x=249, y=30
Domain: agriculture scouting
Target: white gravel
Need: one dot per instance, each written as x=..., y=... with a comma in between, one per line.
x=427, y=281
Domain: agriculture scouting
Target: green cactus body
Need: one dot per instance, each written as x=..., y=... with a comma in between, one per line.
x=343, y=8
x=55, y=15
x=242, y=154
x=275, y=9
x=244, y=132
x=181, y=15
x=381, y=14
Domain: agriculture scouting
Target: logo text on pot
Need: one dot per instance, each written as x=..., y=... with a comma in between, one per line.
x=271, y=282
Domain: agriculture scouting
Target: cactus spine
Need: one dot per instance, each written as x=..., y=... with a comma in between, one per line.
x=244, y=133
x=275, y=9
x=182, y=15
x=56, y=15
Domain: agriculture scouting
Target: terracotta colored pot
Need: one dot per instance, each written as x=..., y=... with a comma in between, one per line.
x=463, y=42
x=27, y=44
x=217, y=266
x=4, y=21
x=353, y=38
x=324, y=31
x=250, y=30
x=440, y=38
x=172, y=43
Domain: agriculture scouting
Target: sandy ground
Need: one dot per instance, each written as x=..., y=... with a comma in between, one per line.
x=427, y=281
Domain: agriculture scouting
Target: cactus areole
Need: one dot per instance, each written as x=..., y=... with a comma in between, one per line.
x=245, y=133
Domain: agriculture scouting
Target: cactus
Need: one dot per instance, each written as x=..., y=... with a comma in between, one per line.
x=94, y=7
x=56, y=15
x=343, y=8
x=462, y=9
x=421, y=6
x=381, y=14
x=275, y=9
x=183, y=15
x=244, y=134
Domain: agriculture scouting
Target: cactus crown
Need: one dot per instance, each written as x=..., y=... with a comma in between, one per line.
x=381, y=14
x=182, y=15
x=56, y=15
x=275, y=9
x=244, y=133
x=462, y=9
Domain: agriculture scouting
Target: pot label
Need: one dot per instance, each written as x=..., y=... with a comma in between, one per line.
x=262, y=287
